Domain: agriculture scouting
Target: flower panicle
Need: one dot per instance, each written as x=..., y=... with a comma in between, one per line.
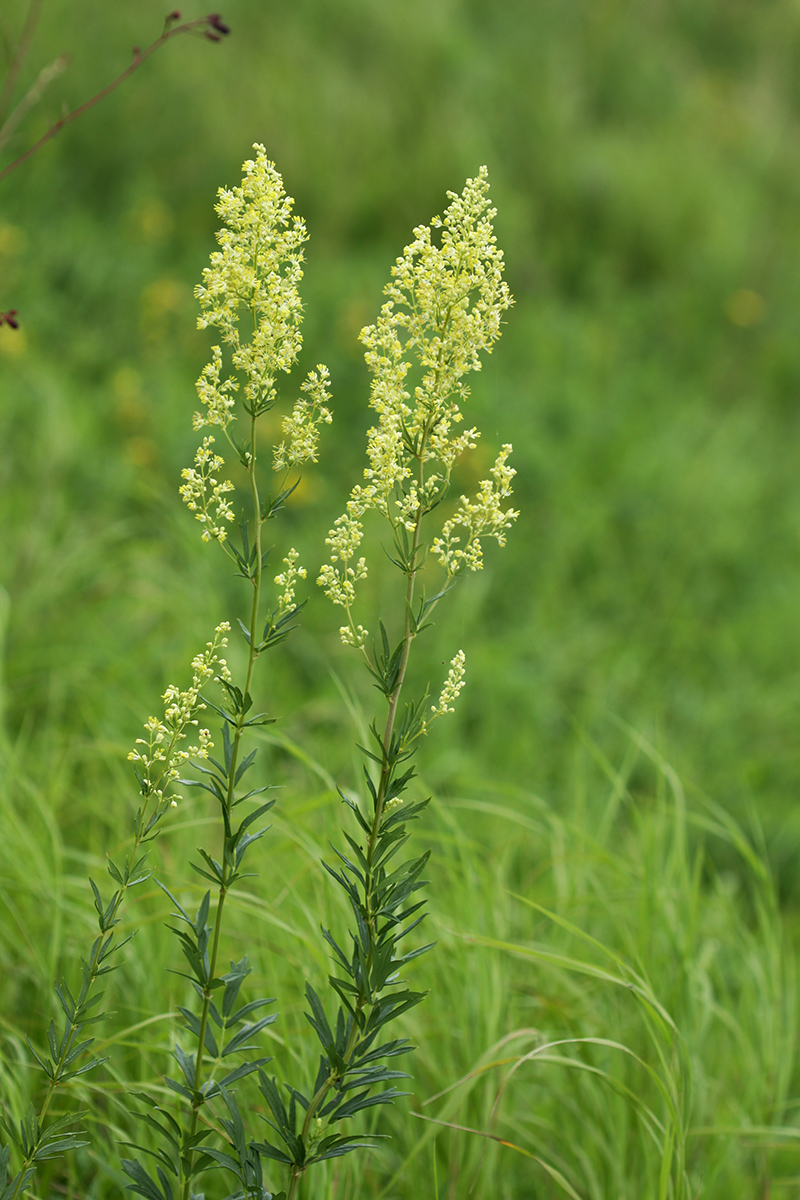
x=444, y=307
x=452, y=687
x=162, y=755
x=255, y=273
x=481, y=518
x=257, y=269
x=445, y=303
x=338, y=582
x=204, y=492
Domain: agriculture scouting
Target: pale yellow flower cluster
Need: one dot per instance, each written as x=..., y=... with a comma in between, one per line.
x=452, y=686
x=301, y=428
x=444, y=308
x=204, y=493
x=480, y=518
x=161, y=757
x=288, y=580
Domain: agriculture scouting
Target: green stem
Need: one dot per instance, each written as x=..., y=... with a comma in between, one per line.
x=199, y=1099
x=364, y=1000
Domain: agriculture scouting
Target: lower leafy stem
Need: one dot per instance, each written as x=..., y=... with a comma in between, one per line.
x=363, y=1002
x=199, y=1098
x=365, y=999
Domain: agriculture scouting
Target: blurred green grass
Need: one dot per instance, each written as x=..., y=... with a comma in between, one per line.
x=645, y=162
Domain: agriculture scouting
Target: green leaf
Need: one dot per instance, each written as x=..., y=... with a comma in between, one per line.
x=364, y=1100
x=161, y=1156
x=46, y=1066
x=193, y=1023
x=356, y=810
x=58, y=1147
x=214, y=874
x=66, y=1000
x=29, y=1130
x=270, y=1151
x=227, y=1161
x=336, y=1147
x=387, y=1050
x=236, y=1125
x=351, y=866
x=389, y=1008
x=113, y=871
x=233, y=982
x=246, y=1009
x=238, y=1042
x=174, y=1086
x=241, y=1071
x=340, y=954
x=104, y=914
x=143, y=1184
x=247, y=840
x=269, y=1090
x=186, y=1064
x=245, y=765
x=318, y=1020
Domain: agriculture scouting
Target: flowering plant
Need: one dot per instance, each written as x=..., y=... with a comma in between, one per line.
x=444, y=308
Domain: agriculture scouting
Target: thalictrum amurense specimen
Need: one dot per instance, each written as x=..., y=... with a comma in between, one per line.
x=443, y=309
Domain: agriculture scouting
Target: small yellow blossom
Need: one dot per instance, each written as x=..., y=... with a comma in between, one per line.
x=355, y=635
x=344, y=540
x=287, y=580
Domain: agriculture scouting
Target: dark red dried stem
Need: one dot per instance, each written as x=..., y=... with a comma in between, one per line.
x=203, y=25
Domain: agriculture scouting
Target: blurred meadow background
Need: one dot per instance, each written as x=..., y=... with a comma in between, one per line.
x=625, y=754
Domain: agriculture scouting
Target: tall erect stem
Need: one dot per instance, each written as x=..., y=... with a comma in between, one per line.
x=199, y=1098
x=363, y=999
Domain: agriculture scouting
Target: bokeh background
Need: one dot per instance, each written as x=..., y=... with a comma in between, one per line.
x=644, y=159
